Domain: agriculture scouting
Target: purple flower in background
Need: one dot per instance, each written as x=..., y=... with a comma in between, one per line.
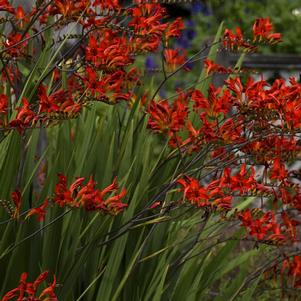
x=163, y=94
x=188, y=34
x=199, y=7
x=150, y=63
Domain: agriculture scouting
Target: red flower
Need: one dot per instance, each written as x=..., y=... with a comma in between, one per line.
x=87, y=196
x=5, y=6
x=28, y=290
x=278, y=171
x=155, y=205
x=174, y=58
x=107, y=4
x=165, y=117
x=212, y=67
x=25, y=117
x=19, y=48
x=194, y=192
x=263, y=29
x=39, y=211
x=17, y=199
x=63, y=196
x=234, y=40
x=174, y=29
x=3, y=104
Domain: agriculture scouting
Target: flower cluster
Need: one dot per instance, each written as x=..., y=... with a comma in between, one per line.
x=77, y=195
x=99, y=67
x=29, y=290
x=218, y=194
x=249, y=134
x=291, y=267
x=262, y=31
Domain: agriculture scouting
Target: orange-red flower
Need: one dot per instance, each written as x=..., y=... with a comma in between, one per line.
x=165, y=117
x=29, y=290
x=17, y=199
x=174, y=58
x=263, y=29
x=88, y=197
x=40, y=211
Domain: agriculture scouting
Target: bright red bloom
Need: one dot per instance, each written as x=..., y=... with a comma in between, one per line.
x=290, y=225
x=69, y=8
x=212, y=67
x=211, y=195
x=5, y=6
x=87, y=196
x=108, y=51
x=40, y=211
x=174, y=58
x=25, y=117
x=234, y=40
x=28, y=290
x=292, y=268
x=194, y=192
x=174, y=29
x=165, y=117
x=218, y=101
x=19, y=48
x=107, y=4
x=263, y=29
x=261, y=228
x=278, y=171
x=63, y=195
x=154, y=205
x=57, y=102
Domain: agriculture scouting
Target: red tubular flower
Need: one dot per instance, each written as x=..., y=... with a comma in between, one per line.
x=49, y=291
x=174, y=29
x=107, y=4
x=40, y=211
x=108, y=51
x=59, y=101
x=168, y=118
x=3, y=104
x=25, y=117
x=258, y=228
x=291, y=267
x=210, y=196
x=87, y=196
x=263, y=228
x=5, y=6
x=234, y=40
x=28, y=290
x=217, y=102
x=212, y=67
x=263, y=29
x=278, y=171
x=63, y=196
x=17, y=199
x=154, y=205
x=194, y=192
x=19, y=48
x=174, y=58
x=113, y=204
x=19, y=13
x=290, y=225
x=200, y=101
